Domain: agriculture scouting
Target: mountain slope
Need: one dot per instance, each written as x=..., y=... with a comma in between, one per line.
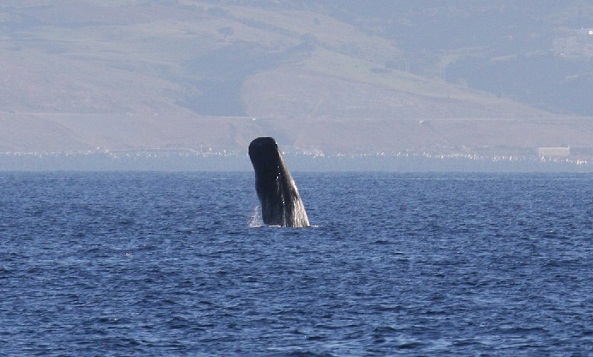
x=80, y=75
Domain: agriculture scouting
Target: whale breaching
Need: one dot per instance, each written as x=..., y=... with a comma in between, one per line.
x=279, y=197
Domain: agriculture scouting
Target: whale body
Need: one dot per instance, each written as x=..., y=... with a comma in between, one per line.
x=279, y=197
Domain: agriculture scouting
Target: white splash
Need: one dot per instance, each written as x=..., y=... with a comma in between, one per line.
x=256, y=220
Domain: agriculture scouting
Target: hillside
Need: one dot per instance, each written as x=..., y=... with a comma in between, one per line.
x=208, y=76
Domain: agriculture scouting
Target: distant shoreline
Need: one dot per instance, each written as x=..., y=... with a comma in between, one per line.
x=186, y=161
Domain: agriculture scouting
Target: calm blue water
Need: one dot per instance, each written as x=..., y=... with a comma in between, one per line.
x=154, y=264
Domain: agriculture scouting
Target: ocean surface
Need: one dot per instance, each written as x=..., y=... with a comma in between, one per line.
x=179, y=264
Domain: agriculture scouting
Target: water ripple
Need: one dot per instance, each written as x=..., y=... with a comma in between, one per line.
x=416, y=264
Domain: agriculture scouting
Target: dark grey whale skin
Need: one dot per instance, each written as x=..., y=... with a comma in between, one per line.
x=279, y=197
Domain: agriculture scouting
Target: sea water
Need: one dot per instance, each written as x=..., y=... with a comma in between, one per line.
x=177, y=264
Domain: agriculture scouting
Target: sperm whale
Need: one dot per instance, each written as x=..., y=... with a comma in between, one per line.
x=279, y=197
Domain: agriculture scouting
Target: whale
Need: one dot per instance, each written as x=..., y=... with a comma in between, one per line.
x=281, y=204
